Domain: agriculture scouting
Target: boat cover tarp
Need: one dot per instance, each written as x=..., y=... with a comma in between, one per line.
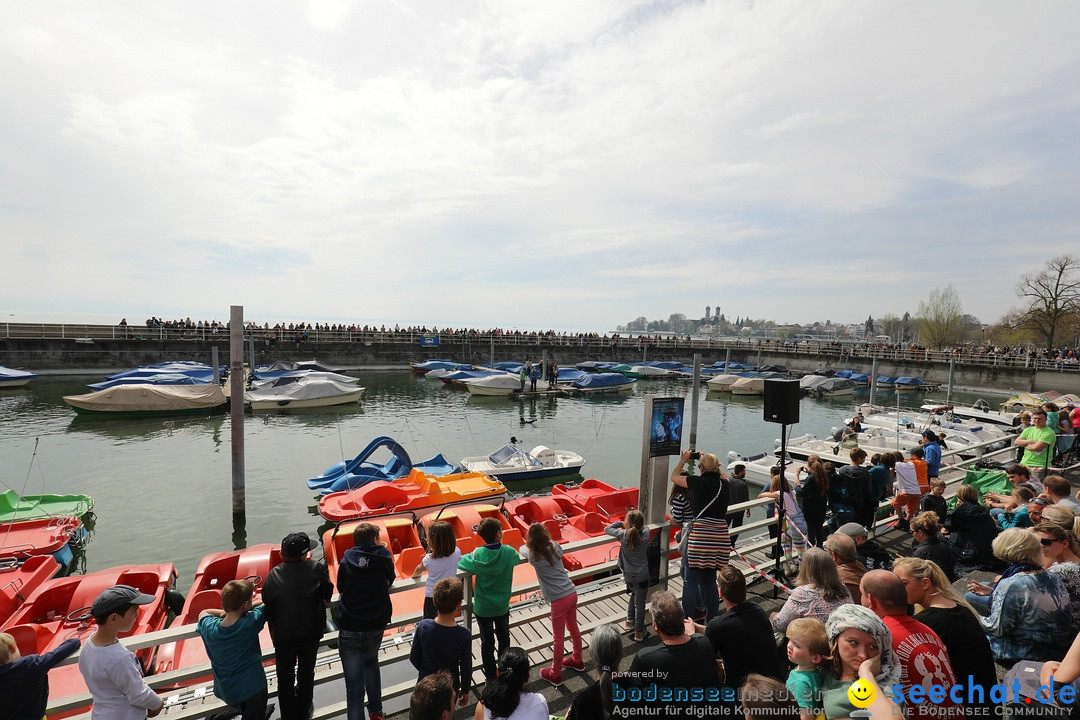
x=9, y=374
x=834, y=384
x=161, y=379
x=149, y=398
x=289, y=389
x=602, y=380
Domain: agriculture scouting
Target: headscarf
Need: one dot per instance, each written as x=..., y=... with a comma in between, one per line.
x=846, y=617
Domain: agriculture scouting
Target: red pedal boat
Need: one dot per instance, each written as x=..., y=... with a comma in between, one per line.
x=566, y=523
x=465, y=519
x=253, y=563
x=610, y=502
x=417, y=492
x=60, y=609
x=45, y=536
x=18, y=582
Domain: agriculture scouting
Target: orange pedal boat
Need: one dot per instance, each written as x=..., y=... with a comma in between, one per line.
x=417, y=492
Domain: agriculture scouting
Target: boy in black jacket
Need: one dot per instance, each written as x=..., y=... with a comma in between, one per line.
x=364, y=579
x=296, y=595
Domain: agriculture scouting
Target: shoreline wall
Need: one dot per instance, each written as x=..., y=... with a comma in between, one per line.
x=76, y=354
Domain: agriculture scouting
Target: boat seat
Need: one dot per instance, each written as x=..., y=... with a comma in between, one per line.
x=512, y=537
x=27, y=637
x=395, y=546
x=553, y=528
x=593, y=523
x=467, y=544
x=382, y=496
x=204, y=600
x=409, y=559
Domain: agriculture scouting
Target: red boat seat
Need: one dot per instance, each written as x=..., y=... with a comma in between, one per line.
x=203, y=600
x=553, y=529
x=467, y=544
x=30, y=639
x=384, y=496
x=592, y=523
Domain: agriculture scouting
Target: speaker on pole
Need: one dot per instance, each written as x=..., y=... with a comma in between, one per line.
x=782, y=401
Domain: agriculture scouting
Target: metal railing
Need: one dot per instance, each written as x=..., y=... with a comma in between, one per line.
x=593, y=342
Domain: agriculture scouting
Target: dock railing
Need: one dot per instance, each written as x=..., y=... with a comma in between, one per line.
x=197, y=700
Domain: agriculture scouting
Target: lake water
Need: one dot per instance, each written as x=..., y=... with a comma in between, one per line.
x=163, y=488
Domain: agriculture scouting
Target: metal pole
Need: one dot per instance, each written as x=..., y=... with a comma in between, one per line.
x=236, y=406
x=214, y=362
x=493, y=350
x=251, y=353
x=727, y=360
x=952, y=373
x=758, y=367
x=873, y=380
x=694, y=385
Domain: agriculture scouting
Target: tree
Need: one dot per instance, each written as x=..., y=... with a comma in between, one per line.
x=1051, y=297
x=939, y=318
x=677, y=323
x=869, y=328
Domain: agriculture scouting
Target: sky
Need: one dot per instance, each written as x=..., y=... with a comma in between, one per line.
x=568, y=165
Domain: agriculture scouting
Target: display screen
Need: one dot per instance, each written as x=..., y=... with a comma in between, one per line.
x=666, y=427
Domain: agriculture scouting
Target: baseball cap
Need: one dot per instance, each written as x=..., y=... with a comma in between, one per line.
x=116, y=597
x=853, y=529
x=296, y=545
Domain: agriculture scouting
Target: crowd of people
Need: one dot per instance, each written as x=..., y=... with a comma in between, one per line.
x=847, y=619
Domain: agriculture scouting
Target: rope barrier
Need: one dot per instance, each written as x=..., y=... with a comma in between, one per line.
x=761, y=572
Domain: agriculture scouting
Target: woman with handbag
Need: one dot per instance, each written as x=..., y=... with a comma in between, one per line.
x=707, y=541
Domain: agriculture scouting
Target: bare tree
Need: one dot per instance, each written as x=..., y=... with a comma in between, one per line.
x=940, y=318
x=1052, y=297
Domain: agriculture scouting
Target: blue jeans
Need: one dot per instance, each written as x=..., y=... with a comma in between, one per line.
x=492, y=628
x=635, y=608
x=359, y=653
x=703, y=582
x=980, y=602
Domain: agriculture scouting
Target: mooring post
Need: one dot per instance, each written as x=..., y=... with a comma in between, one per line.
x=236, y=406
x=695, y=384
x=873, y=380
x=952, y=374
x=214, y=361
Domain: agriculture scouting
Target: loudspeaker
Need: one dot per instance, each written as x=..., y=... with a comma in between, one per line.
x=782, y=401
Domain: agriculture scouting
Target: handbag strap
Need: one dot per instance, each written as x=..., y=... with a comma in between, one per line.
x=715, y=498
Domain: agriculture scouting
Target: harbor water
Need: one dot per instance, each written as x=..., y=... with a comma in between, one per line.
x=163, y=487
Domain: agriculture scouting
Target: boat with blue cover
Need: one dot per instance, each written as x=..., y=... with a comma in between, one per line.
x=886, y=381
x=10, y=378
x=160, y=379
x=602, y=383
x=439, y=364
x=182, y=367
x=360, y=470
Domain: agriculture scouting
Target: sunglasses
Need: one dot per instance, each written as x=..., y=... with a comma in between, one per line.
x=1047, y=542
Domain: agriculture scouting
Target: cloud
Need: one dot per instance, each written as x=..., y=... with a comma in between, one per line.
x=378, y=158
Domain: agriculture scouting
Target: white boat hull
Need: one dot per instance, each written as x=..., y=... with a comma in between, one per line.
x=288, y=404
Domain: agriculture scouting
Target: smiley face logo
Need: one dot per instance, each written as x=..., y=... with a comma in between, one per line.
x=861, y=693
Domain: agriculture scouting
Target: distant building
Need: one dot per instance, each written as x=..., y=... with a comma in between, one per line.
x=708, y=312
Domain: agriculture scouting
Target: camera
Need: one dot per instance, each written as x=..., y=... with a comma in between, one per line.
x=695, y=455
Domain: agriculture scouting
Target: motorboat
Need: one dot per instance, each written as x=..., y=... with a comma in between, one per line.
x=182, y=367
x=59, y=609
x=748, y=386
x=979, y=411
x=283, y=367
x=757, y=466
x=361, y=470
x=620, y=368
x=10, y=378
x=437, y=364
x=304, y=391
x=253, y=563
x=45, y=536
x=144, y=400
x=17, y=582
x=905, y=382
x=807, y=383
x=260, y=381
x=458, y=377
x=504, y=384
x=510, y=463
x=886, y=381
x=832, y=387
x=723, y=382
x=601, y=383
x=159, y=379
x=417, y=492
x=15, y=507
